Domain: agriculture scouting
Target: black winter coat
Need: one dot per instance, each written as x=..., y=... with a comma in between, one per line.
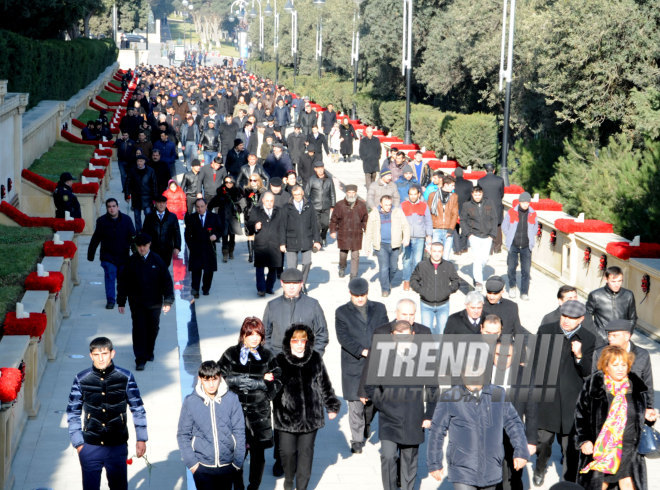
x=557, y=416
x=227, y=136
x=254, y=392
x=307, y=120
x=370, y=152
x=141, y=187
x=296, y=145
x=267, y=240
x=115, y=237
x=328, y=119
x=459, y=323
x=210, y=140
x=192, y=183
x=165, y=235
x=278, y=167
x=321, y=192
x=605, y=305
x=479, y=219
x=319, y=144
x=202, y=249
x=590, y=415
x=306, y=389
x=65, y=200
x=146, y=283
x=507, y=310
x=235, y=161
x=434, y=285
x=306, y=166
x=300, y=230
x=493, y=186
x=463, y=190
x=348, y=133
x=354, y=335
x=244, y=175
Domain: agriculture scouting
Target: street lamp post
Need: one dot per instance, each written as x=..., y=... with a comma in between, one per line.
x=319, y=35
x=506, y=74
x=355, y=53
x=289, y=7
x=253, y=14
x=406, y=63
x=276, y=36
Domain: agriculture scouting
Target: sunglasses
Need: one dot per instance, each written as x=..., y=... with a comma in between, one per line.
x=254, y=180
x=228, y=182
x=298, y=341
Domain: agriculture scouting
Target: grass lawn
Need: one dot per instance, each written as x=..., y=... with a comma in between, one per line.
x=20, y=249
x=182, y=31
x=63, y=156
x=88, y=115
x=110, y=96
x=228, y=49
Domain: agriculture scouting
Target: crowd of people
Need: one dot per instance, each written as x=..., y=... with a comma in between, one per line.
x=253, y=156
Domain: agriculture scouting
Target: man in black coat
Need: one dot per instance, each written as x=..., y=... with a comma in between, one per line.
x=355, y=323
x=306, y=164
x=211, y=178
x=469, y=320
x=320, y=190
x=192, y=185
x=319, y=142
x=308, y=119
x=370, y=153
x=249, y=137
x=282, y=197
x=295, y=142
x=463, y=189
x=328, y=119
x=114, y=232
x=405, y=411
x=556, y=418
x=236, y=159
x=141, y=190
x=493, y=186
x=252, y=167
x=147, y=284
x=506, y=309
x=227, y=132
x=202, y=231
x=163, y=228
x=278, y=163
x=265, y=224
x=611, y=302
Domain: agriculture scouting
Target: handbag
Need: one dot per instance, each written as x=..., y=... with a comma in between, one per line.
x=649, y=443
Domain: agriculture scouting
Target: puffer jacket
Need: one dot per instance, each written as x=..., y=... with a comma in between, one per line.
x=176, y=200
x=212, y=430
x=605, y=305
x=434, y=285
x=306, y=389
x=321, y=192
x=103, y=396
x=476, y=449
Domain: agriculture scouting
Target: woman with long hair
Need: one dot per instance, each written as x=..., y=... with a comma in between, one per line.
x=609, y=417
x=251, y=372
x=252, y=193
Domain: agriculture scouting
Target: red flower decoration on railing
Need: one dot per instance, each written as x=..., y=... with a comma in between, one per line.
x=646, y=283
x=67, y=250
x=98, y=173
x=34, y=325
x=553, y=238
x=11, y=380
x=587, y=255
x=602, y=265
x=52, y=282
x=539, y=232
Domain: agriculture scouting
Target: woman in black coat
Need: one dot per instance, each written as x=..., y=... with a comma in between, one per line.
x=298, y=407
x=265, y=224
x=229, y=201
x=251, y=372
x=346, y=137
x=252, y=194
x=612, y=386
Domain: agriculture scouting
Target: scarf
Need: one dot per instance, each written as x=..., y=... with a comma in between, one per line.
x=609, y=444
x=438, y=197
x=245, y=351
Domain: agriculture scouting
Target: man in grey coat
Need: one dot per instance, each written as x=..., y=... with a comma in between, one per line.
x=293, y=307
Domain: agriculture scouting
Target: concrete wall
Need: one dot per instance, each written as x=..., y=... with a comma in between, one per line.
x=12, y=107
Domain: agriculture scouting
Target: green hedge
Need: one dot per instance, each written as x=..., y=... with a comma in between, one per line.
x=52, y=69
x=472, y=139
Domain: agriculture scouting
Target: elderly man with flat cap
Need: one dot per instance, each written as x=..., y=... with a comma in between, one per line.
x=347, y=224
x=619, y=333
x=147, y=285
x=506, y=309
x=519, y=229
x=355, y=323
x=556, y=418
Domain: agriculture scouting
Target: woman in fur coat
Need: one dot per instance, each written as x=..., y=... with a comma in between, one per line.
x=298, y=407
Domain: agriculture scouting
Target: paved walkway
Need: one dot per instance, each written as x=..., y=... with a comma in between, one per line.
x=203, y=329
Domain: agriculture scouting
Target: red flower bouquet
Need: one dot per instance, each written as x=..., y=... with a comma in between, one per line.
x=52, y=282
x=34, y=325
x=11, y=380
x=67, y=249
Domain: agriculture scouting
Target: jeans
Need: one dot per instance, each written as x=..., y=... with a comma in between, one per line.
x=438, y=313
x=480, y=248
x=123, y=172
x=220, y=478
x=297, y=454
x=525, y=264
x=209, y=156
x=94, y=458
x=266, y=283
x=407, y=455
x=137, y=213
x=111, y=272
x=189, y=152
x=446, y=237
x=412, y=255
x=388, y=259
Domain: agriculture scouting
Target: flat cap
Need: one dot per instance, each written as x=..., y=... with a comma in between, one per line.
x=494, y=284
x=276, y=182
x=358, y=286
x=142, y=239
x=489, y=166
x=619, y=324
x=318, y=164
x=160, y=198
x=351, y=187
x=572, y=309
x=525, y=197
x=291, y=275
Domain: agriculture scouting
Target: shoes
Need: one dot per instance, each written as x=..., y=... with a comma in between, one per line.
x=478, y=287
x=195, y=294
x=342, y=272
x=385, y=294
x=225, y=256
x=367, y=432
x=109, y=305
x=513, y=292
x=406, y=285
x=277, y=469
x=356, y=447
x=538, y=478
x=324, y=243
x=524, y=297
x=139, y=366
x=151, y=358
x=231, y=255
x=261, y=293
x=205, y=293
x=270, y=292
